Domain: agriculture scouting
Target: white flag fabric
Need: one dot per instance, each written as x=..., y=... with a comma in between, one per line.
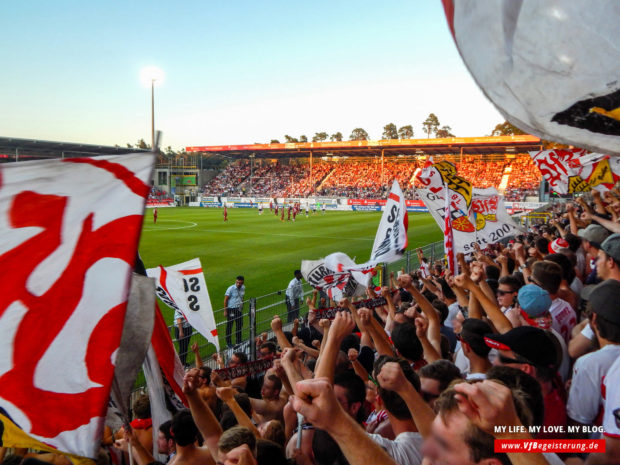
x=575, y=170
x=551, y=68
x=391, y=238
x=336, y=284
x=69, y=232
x=183, y=287
x=486, y=223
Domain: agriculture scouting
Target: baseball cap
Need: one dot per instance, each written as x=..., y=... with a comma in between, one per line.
x=472, y=332
x=594, y=234
x=604, y=300
x=611, y=246
x=533, y=344
x=534, y=300
x=559, y=243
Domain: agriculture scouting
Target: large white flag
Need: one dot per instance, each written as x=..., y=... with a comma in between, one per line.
x=69, y=231
x=334, y=279
x=487, y=221
x=183, y=287
x=575, y=170
x=391, y=238
x=551, y=68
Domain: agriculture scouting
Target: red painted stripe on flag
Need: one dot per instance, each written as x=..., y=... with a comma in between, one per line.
x=214, y=332
x=394, y=197
x=196, y=271
x=166, y=353
x=135, y=184
x=162, y=280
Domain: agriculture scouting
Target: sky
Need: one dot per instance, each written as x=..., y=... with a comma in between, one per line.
x=236, y=72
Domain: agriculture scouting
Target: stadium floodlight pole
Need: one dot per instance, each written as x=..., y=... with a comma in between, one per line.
x=152, y=76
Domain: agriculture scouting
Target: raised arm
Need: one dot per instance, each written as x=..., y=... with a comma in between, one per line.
x=342, y=326
x=227, y=395
x=501, y=323
x=206, y=422
x=276, y=327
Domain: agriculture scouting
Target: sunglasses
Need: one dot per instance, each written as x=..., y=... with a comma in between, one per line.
x=500, y=292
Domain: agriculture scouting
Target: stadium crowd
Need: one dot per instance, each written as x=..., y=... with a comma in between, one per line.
x=362, y=179
x=526, y=334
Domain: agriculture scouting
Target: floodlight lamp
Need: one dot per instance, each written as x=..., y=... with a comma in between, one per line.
x=151, y=75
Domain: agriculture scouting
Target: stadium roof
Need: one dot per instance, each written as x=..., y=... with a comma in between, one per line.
x=392, y=147
x=12, y=149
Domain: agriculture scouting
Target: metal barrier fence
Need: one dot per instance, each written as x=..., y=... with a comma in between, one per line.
x=257, y=313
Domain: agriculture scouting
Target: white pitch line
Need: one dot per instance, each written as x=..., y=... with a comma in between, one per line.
x=191, y=225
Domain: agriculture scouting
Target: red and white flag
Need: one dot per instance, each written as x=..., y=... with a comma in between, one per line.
x=448, y=235
x=391, y=238
x=183, y=287
x=575, y=170
x=69, y=231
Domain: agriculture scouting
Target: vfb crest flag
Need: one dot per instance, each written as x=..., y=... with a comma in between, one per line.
x=69, y=232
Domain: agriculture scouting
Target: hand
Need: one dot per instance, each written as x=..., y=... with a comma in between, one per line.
x=392, y=378
x=289, y=355
x=385, y=292
x=276, y=323
x=570, y=208
x=463, y=281
x=342, y=326
x=122, y=444
x=316, y=344
x=318, y=403
x=191, y=381
x=226, y=394
x=241, y=455
x=296, y=341
x=586, y=216
x=325, y=323
x=353, y=353
x=404, y=280
x=216, y=380
x=364, y=315
x=195, y=347
x=487, y=404
x=477, y=273
x=421, y=327
x=502, y=260
x=225, y=313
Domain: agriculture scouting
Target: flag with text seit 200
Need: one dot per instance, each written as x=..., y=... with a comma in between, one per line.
x=183, y=287
x=69, y=232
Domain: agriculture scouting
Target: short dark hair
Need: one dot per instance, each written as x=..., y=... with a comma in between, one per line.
x=277, y=382
x=542, y=245
x=240, y=278
x=326, y=451
x=269, y=345
x=183, y=428
x=355, y=390
x=548, y=274
x=297, y=272
x=492, y=272
x=235, y=437
x=165, y=429
x=205, y=371
x=574, y=242
x=270, y=452
x=392, y=401
x=512, y=281
x=243, y=358
x=607, y=329
x=517, y=379
x=142, y=407
x=442, y=308
x=406, y=341
x=442, y=371
x=568, y=271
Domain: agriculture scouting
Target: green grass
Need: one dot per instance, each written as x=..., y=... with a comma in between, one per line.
x=262, y=248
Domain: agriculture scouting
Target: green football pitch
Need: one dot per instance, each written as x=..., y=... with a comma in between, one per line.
x=262, y=248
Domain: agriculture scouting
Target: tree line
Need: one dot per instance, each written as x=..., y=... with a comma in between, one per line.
x=390, y=131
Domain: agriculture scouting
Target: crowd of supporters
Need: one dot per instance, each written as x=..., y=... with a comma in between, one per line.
x=526, y=334
x=363, y=179
x=157, y=195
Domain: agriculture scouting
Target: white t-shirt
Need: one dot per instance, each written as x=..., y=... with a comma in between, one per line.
x=576, y=286
x=564, y=317
x=585, y=397
x=611, y=417
x=461, y=362
x=453, y=309
x=405, y=449
x=425, y=270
